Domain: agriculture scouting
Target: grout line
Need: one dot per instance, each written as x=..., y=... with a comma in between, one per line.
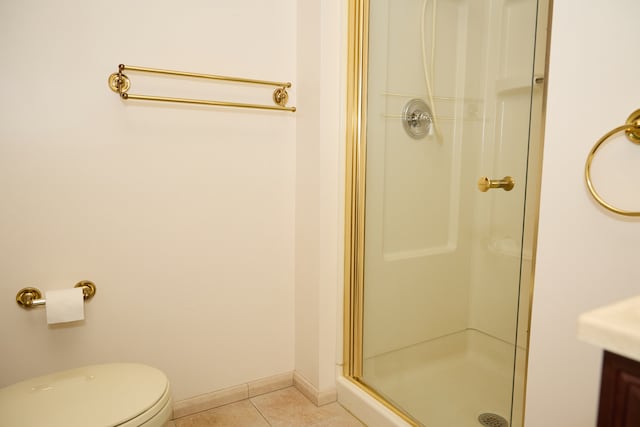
x=209, y=409
x=266, y=419
x=318, y=422
x=259, y=411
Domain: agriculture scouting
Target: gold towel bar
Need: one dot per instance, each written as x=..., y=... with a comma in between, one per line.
x=632, y=129
x=120, y=83
x=31, y=297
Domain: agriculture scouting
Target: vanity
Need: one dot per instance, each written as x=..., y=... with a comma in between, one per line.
x=616, y=329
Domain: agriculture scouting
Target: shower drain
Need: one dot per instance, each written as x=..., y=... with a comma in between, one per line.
x=492, y=420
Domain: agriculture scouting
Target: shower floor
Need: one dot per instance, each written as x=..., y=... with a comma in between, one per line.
x=449, y=381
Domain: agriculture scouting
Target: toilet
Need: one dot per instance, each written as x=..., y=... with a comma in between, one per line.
x=108, y=395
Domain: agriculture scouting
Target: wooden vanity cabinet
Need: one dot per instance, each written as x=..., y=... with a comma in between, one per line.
x=619, y=392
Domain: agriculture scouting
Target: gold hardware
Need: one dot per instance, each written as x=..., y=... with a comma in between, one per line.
x=354, y=188
x=485, y=184
x=280, y=96
x=634, y=134
x=120, y=83
x=26, y=296
x=88, y=288
x=632, y=129
x=30, y=297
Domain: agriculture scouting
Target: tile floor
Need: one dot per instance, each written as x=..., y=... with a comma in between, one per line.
x=283, y=408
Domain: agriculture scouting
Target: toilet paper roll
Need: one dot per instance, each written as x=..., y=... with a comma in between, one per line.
x=66, y=305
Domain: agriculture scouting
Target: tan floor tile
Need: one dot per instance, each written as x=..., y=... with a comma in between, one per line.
x=240, y=414
x=289, y=408
x=343, y=419
x=267, y=385
x=210, y=400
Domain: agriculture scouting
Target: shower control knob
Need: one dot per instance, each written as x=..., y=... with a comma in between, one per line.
x=417, y=118
x=486, y=184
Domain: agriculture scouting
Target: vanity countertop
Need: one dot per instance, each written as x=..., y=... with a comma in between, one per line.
x=615, y=328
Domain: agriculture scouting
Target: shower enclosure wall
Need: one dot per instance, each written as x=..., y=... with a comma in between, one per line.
x=440, y=271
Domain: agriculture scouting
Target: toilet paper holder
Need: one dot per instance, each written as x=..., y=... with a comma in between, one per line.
x=30, y=297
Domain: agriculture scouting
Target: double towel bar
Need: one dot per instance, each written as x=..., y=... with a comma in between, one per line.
x=120, y=83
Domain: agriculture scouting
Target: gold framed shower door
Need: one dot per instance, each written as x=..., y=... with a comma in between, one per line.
x=355, y=188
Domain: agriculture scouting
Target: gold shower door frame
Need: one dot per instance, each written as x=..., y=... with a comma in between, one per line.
x=355, y=180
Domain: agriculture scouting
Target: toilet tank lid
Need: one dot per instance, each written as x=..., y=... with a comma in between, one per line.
x=96, y=395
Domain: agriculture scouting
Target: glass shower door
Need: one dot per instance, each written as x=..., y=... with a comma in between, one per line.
x=449, y=91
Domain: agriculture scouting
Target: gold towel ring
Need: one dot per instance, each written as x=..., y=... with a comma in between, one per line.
x=632, y=129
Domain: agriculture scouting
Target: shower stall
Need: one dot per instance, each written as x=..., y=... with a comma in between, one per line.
x=443, y=172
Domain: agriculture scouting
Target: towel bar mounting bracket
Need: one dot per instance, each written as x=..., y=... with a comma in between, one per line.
x=120, y=83
x=634, y=134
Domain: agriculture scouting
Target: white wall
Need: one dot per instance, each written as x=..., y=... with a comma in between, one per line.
x=586, y=256
x=319, y=190
x=183, y=216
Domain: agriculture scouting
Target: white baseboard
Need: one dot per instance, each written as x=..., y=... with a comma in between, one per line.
x=251, y=389
x=319, y=398
x=233, y=394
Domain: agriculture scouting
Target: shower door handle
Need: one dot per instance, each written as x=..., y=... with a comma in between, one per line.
x=485, y=184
